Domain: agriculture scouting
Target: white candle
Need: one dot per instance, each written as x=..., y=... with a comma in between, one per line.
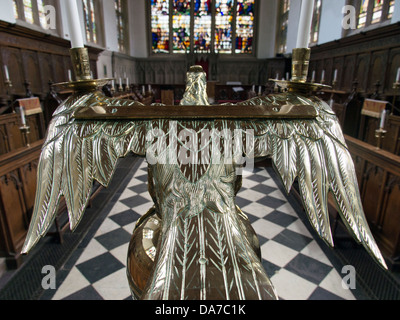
x=259, y=90
x=143, y=90
x=383, y=118
x=287, y=76
x=69, y=75
x=277, y=76
x=6, y=73
x=150, y=88
x=306, y=15
x=398, y=76
x=113, y=84
x=313, y=76
x=323, y=76
x=335, y=76
x=23, y=120
x=127, y=82
x=74, y=24
x=253, y=88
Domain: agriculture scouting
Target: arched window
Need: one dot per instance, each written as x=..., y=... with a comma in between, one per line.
x=213, y=26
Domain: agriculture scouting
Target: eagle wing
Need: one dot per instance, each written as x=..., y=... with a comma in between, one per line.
x=314, y=151
x=74, y=154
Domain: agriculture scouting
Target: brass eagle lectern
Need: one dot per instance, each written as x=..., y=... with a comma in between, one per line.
x=195, y=243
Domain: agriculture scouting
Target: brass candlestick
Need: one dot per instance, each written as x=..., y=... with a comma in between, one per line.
x=83, y=75
x=8, y=85
x=300, y=66
x=380, y=134
x=26, y=130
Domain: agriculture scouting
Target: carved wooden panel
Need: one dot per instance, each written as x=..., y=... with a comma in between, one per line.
x=12, y=58
x=372, y=181
x=37, y=59
x=346, y=80
x=18, y=171
x=378, y=174
x=390, y=221
x=32, y=70
x=368, y=57
x=377, y=69
x=391, y=141
x=13, y=205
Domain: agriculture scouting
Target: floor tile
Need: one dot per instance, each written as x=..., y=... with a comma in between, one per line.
x=308, y=268
x=114, y=238
x=299, y=269
x=99, y=267
x=292, y=287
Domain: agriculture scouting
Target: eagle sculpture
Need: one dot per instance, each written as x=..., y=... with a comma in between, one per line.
x=195, y=243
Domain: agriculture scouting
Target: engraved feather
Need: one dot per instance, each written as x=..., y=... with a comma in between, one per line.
x=315, y=152
x=73, y=156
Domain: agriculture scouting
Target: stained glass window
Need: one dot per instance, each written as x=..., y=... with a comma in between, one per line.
x=181, y=26
x=244, y=26
x=120, y=9
x=15, y=7
x=219, y=26
x=202, y=25
x=316, y=22
x=28, y=11
x=377, y=11
x=374, y=11
x=283, y=26
x=89, y=10
x=223, y=26
x=391, y=9
x=42, y=13
x=93, y=22
x=160, y=25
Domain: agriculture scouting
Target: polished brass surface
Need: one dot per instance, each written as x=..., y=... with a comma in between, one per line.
x=26, y=130
x=306, y=88
x=300, y=64
x=287, y=111
x=204, y=250
x=83, y=85
x=380, y=135
x=143, y=248
x=81, y=63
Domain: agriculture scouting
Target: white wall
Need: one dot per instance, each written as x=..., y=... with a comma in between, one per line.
x=64, y=23
x=331, y=20
x=267, y=23
x=293, y=25
x=396, y=13
x=7, y=11
x=110, y=27
x=138, y=33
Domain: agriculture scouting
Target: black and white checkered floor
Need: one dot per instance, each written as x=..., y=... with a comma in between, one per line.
x=298, y=265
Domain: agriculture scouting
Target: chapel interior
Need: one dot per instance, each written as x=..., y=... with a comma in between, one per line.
x=146, y=48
